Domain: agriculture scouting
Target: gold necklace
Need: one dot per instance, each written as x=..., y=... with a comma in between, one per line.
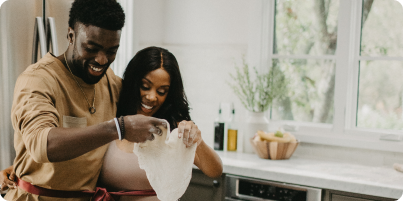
x=91, y=108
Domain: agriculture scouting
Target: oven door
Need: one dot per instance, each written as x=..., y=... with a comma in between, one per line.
x=250, y=189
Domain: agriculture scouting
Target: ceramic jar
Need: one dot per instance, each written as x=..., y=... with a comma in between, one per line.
x=255, y=121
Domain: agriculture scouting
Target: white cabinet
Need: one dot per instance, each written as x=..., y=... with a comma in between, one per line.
x=331, y=195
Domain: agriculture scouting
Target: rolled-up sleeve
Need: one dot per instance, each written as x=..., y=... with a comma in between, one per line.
x=34, y=113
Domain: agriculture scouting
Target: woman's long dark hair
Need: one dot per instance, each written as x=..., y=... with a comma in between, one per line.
x=176, y=107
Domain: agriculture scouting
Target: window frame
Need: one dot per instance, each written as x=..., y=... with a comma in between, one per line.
x=343, y=132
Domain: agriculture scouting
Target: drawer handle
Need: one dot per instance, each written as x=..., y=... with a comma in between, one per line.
x=216, y=183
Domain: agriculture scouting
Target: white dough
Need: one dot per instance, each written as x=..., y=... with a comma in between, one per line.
x=168, y=164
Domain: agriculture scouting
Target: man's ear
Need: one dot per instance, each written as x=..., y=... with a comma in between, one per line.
x=70, y=35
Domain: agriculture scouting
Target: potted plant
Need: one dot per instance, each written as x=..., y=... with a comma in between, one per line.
x=257, y=92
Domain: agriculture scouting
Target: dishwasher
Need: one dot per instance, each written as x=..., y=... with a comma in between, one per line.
x=244, y=188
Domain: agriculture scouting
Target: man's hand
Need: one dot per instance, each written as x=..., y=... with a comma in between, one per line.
x=190, y=133
x=7, y=179
x=139, y=128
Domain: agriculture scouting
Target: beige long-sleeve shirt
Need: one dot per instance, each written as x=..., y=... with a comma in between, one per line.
x=46, y=96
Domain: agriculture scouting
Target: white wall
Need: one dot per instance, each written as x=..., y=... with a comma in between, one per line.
x=208, y=38
x=149, y=21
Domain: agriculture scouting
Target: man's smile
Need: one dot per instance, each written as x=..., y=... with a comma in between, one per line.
x=96, y=70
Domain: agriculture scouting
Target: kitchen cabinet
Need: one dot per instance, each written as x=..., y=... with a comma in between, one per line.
x=203, y=188
x=332, y=195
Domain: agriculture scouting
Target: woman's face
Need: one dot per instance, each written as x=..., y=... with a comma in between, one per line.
x=153, y=91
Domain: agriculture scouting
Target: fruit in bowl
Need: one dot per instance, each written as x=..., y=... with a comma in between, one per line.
x=275, y=146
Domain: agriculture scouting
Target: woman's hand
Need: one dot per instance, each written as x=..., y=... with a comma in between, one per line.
x=206, y=159
x=7, y=179
x=190, y=133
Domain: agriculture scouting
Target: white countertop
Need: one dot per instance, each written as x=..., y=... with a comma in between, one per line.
x=369, y=180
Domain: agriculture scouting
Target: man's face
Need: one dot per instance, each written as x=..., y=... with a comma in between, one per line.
x=94, y=51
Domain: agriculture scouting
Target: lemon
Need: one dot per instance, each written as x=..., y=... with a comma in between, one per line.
x=278, y=134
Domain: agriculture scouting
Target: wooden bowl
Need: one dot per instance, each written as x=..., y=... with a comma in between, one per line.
x=274, y=150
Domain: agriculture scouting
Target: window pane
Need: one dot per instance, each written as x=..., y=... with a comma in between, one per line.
x=306, y=27
x=380, y=95
x=311, y=91
x=382, y=28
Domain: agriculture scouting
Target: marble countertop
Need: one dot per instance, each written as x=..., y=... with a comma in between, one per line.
x=325, y=174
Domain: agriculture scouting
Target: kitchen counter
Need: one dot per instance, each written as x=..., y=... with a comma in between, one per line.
x=321, y=173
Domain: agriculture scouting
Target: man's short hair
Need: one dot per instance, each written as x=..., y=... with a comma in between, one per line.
x=106, y=14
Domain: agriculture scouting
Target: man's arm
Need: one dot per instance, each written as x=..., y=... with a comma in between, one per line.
x=36, y=122
x=68, y=143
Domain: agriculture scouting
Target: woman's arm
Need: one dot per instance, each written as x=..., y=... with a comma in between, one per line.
x=206, y=159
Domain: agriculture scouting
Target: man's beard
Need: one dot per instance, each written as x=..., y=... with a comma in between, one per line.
x=82, y=70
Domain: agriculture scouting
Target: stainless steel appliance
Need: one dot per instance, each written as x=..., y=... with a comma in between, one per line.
x=243, y=188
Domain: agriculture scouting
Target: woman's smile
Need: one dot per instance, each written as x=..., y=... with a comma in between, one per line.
x=146, y=109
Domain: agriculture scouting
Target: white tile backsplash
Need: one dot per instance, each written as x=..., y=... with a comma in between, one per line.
x=351, y=155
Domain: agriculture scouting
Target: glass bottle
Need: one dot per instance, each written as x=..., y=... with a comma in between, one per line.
x=232, y=140
x=219, y=132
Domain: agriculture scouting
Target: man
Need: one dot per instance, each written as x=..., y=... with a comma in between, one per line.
x=64, y=107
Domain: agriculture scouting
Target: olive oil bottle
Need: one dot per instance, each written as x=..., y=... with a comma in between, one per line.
x=232, y=132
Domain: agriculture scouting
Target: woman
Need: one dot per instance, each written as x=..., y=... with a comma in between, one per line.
x=152, y=86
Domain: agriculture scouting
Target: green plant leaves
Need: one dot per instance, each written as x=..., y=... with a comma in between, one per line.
x=258, y=94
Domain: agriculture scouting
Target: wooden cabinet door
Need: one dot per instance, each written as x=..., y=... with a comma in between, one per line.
x=204, y=188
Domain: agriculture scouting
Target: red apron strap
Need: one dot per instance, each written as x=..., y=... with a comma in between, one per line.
x=37, y=190
x=100, y=194
x=135, y=193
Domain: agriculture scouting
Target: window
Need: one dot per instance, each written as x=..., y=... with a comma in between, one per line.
x=128, y=40
x=381, y=66
x=305, y=43
x=344, y=60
